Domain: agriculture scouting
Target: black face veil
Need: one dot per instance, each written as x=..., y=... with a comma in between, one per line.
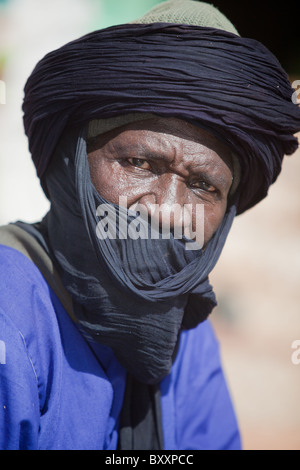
x=133, y=295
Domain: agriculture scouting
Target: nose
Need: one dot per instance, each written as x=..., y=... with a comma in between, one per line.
x=166, y=203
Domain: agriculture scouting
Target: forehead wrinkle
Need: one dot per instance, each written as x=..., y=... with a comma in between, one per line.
x=214, y=169
x=150, y=146
x=161, y=146
x=175, y=151
x=209, y=157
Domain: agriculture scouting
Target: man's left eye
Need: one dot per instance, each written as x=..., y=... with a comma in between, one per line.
x=139, y=163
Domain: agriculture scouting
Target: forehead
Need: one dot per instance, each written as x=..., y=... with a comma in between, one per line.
x=164, y=137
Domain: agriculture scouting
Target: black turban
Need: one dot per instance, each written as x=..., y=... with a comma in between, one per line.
x=232, y=86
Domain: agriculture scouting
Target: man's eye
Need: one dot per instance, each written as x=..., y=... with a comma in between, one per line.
x=139, y=163
x=203, y=185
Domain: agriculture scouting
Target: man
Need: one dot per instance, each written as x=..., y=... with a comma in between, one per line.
x=148, y=139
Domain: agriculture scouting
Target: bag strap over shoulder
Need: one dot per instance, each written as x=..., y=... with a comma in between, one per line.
x=15, y=237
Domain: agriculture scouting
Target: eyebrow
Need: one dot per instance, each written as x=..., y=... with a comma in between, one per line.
x=144, y=151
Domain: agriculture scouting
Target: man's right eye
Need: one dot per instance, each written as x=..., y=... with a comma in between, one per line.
x=139, y=163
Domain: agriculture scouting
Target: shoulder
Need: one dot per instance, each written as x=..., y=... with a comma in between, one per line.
x=25, y=309
x=25, y=296
x=17, y=272
x=28, y=316
x=49, y=368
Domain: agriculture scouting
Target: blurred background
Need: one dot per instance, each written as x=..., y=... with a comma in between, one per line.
x=257, y=279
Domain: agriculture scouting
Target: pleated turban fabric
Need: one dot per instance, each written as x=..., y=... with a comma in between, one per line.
x=232, y=86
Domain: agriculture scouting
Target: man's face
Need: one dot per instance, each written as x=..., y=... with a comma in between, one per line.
x=164, y=161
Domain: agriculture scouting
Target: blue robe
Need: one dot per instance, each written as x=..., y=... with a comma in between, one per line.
x=58, y=391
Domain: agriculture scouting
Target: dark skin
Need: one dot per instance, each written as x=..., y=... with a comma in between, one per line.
x=164, y=161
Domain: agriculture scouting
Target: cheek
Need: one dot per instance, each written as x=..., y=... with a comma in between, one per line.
x=112, y=181
x=108, y=178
